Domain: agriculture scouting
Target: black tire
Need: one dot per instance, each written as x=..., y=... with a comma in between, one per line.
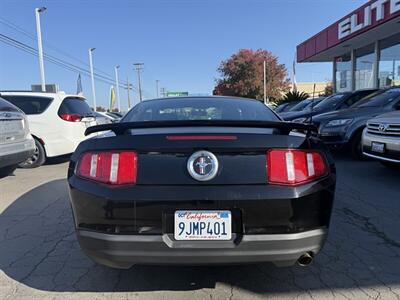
x=356, y=146
x=390, y=165
x=5, y=171
x=37, y=159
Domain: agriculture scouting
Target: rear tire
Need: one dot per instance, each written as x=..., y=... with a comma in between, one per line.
x=5, y=171
x=37, y=159
x=390, y=165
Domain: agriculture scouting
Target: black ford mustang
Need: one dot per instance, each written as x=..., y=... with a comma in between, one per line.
x=201, y=180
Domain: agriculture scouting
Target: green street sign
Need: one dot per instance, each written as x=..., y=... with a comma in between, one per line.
x=177, y=94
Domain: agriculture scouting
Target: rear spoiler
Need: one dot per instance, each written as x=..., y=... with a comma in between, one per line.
x=121, y=128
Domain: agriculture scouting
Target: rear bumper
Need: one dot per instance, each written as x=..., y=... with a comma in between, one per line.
x=123, y=251
x=21, y=152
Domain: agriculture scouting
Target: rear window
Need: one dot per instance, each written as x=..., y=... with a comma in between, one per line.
x=380, y=98
x=30, y=105
x=6, y=106
x=75, y=106
x=200, y=109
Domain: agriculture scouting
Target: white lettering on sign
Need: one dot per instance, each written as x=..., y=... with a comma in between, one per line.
x=352, y=24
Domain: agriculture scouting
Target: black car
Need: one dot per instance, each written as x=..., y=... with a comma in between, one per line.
x=285, y=106
x=331, y=103
x=201, y=180
x=343, y=128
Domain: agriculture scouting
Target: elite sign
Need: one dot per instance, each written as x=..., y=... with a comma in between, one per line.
x=352, y=24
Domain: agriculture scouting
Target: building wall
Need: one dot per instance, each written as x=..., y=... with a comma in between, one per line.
x=308, y=87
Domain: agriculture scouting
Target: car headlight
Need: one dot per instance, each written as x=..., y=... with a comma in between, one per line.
x=299, y=120
x=338, y=122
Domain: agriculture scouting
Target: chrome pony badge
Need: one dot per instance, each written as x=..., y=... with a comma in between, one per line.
x=202, y=165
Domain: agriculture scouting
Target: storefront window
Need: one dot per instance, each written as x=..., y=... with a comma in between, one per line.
x=364, y=74
x=389, y=64
x=343, y=73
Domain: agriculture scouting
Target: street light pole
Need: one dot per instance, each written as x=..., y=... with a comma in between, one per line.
x=265, y=83
x=92, y=77
x=157, y=90
x=117, y=85
x=138, y=68
x=40, y=46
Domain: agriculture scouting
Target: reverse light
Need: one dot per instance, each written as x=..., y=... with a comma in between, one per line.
x=294, y=166
x=109, y=167
x=71, y=117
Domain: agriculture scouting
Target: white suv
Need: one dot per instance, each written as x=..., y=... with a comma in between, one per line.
x=57, y=122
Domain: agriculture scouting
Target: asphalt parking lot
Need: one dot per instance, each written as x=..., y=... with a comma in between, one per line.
x=40, y=257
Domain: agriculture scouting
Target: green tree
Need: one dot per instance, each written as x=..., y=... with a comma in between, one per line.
x=242, y=75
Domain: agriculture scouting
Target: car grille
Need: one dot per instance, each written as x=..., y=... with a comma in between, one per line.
x=384, y=129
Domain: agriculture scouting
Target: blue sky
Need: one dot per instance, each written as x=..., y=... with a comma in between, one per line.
x=181, y=43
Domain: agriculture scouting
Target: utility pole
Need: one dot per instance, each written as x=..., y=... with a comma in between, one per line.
x=128, y=87
x=117, y=85
x=265, y=83
x=157, y=90
x=92, y=76
x=40, y=46
x=139, y=68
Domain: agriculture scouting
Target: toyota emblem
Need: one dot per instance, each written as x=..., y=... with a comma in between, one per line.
x=202, y=165
x=383, y=127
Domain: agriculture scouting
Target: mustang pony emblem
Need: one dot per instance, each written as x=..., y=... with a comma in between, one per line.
x=202, y=165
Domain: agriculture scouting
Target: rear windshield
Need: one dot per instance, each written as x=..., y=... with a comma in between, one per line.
x=200, y=109
x=75, y=106
x=331, y=101
x=6, y=106
x=380, y=98
x=30, y=105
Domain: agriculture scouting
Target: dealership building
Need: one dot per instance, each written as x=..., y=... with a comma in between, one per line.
x=364, y=47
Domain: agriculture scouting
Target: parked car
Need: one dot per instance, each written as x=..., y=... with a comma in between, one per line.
x=16, y=142
x=303, y=106
x=57, y=122
x=285, y=106
x=201, y=180
x=110, y=116
x=102, y=118
x=381, y=139
x=331, y=103
x=343, y=128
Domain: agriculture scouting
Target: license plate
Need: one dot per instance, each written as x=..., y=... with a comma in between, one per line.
x=11, y=126
x=378, y=147
x=203, y=225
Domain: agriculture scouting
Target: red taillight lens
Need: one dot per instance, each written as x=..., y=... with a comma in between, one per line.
x=109, y=167
x=71, y=117
x=294, y=167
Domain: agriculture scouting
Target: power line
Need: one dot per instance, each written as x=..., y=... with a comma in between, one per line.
x=48, y=45
x=22, y=46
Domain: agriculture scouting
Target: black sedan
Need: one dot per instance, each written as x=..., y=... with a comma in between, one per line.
x=201, y=180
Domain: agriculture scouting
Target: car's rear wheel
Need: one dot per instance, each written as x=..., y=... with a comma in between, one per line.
x=5, y=171
x=37, y=159
x=391, y=165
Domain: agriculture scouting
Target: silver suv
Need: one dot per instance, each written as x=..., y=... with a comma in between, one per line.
x=381, y=139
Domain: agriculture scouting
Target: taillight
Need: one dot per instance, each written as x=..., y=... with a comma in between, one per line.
x=109, y=167
x=71, y=117
x=294, y=167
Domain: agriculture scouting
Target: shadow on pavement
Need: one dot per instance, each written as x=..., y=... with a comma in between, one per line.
x=39, y=249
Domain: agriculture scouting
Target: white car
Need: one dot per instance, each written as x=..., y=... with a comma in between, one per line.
x=16, y=143
x=57, y=122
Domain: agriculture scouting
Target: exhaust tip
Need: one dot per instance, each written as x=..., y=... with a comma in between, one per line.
x=306, y=259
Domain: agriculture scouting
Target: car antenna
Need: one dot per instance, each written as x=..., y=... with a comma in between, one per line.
x=312, y=105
